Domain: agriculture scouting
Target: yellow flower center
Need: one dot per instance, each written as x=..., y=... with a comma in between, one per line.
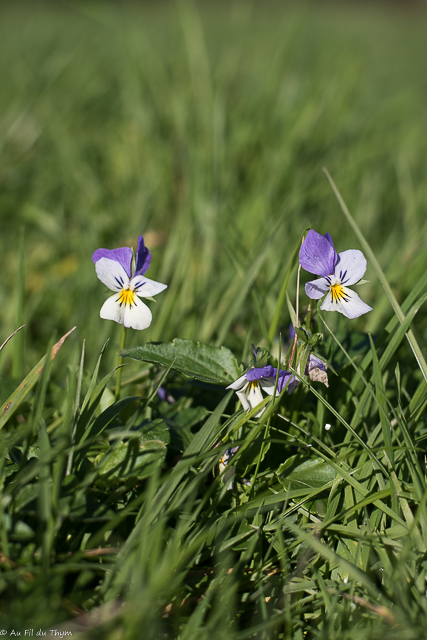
x=127, y=296
x=338, y=293
x=252, y=385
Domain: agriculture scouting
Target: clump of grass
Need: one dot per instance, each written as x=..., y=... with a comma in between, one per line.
x=206, y=130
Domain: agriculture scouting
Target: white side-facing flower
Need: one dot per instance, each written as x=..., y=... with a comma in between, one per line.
x=248, y=387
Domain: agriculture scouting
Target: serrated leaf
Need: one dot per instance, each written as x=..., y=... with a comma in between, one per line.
x=193, y=359
x=311, y=473
x=131, y=459
x=154, y=430
x=135, y=457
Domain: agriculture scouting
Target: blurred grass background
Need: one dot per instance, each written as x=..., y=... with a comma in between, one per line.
x=204, y=127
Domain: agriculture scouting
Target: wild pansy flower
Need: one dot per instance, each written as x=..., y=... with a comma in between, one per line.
x=114, y=269
x=226, y=457
x=317, y=370
x=317, y=255
x=229, y=470
x=248, y=387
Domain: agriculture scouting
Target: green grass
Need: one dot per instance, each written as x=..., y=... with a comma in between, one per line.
x=205, y=127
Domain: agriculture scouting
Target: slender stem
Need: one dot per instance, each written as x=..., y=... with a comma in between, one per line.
x=267, y=426
x=119, y=370
x=296, y=315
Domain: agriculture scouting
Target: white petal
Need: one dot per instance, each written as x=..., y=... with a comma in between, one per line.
x=242, y=397
x=351, y=267
x=111, y=310
x=137, y=315
x=254, y=395
x=112, y=274
x=268, y=385
x=351, y=307
x=317, y=288
x=144, y=287
x=240, y=383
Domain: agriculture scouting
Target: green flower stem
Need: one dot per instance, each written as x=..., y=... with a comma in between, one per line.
x=296, y=315
x=119, y=370
x=267, y=426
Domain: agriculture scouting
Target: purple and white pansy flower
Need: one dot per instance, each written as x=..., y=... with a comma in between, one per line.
x=114, y=269
x=249, y=387
x=338, y=271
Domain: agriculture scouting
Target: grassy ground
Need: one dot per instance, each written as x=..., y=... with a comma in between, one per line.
x=205, y=127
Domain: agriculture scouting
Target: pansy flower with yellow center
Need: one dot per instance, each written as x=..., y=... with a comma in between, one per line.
x=248, y=387
x=114, y=269
x=317, y=255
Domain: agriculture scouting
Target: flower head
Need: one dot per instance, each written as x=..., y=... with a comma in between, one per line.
x=317, y=370
x=248, y=387
x=114, y=269
x=226, y=457
x=317, y=255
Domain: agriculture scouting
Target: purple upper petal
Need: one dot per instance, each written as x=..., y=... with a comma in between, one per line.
x=314, y=362
x=317, y=254
x=260, y=372
x=284, y=376
x=123, y=256
x=329, y=239
x=270, y=372
x=143, y=258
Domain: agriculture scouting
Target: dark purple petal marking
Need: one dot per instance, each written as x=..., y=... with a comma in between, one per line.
x=329, y=239
x=343, y=278
x=143, y=258
x=123, y=256
x=120, y=282
x=260, y=372
x=317, y=254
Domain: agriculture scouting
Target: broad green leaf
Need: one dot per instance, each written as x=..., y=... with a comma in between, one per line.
x=136, y=457
x=311, y=473
x=193, y=359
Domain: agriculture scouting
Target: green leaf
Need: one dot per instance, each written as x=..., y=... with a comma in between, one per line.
x=136, y=457
x=303, y=334
x=311, y=473
x=193, y=359
x=154, y=430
